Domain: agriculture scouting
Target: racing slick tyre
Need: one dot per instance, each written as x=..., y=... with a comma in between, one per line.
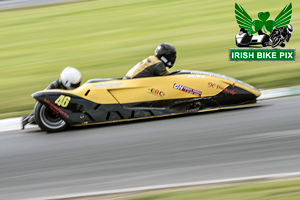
x=47, y=119
x=282, y=45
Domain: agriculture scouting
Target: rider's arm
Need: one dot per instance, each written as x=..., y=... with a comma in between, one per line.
x=160, y=70
x=165, y=73
x=54, y=85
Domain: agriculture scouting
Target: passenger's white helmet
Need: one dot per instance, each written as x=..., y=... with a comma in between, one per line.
x=70, y=77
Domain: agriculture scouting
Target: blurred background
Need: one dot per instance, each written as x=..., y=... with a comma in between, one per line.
x=104, y=38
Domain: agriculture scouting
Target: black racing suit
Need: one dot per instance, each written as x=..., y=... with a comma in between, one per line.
x=151, y=66
x=56, y=84
x=278, y=36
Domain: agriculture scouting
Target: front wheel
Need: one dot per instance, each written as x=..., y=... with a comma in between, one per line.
x=47, y=119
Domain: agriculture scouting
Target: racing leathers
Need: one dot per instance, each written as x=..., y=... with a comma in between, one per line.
x=149, y=67
x=56, y=84
x=278, y=36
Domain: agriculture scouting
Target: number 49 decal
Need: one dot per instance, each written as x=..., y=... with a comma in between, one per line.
x=63, y=101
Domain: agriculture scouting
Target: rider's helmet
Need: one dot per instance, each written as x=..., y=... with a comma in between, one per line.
x=289, y=28
x=70, y=78
x=242, y=31
x=166, y=53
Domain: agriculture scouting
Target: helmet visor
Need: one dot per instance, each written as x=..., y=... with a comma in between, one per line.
x=172, y=59
x=76, y=85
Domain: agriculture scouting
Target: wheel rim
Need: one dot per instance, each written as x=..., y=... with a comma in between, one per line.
x=50, y=119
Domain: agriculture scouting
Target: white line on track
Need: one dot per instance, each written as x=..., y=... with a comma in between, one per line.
x=12, y=124
x=176, y=185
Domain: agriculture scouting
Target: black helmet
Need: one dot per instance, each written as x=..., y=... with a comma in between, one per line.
x=166, y=53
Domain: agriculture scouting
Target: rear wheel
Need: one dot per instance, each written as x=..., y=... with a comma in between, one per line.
x=264, y=41
x=47, y=119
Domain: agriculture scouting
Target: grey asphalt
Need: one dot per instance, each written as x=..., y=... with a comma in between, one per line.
x=228, y=144
x=5, y=4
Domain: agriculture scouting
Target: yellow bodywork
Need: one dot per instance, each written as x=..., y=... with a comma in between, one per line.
x=154, y=88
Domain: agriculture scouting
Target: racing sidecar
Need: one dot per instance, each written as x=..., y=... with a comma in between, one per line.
x=113, y=100
x=243, y=39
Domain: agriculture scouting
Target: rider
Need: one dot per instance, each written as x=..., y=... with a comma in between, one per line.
x=164, y=56
x=280, y=35
x=70, y=78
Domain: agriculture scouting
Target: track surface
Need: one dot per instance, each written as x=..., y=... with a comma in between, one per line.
x=228, y=144
x=4, y=4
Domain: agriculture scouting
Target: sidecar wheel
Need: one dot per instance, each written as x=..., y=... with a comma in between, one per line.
x=47, y=119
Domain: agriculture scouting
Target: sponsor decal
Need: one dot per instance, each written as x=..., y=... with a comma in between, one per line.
x=56, y=109
x=196, y=75
x=107, y=85
x=187, y=89
x=156, y=92
x=63, y=101
x=212, y=85
x=193, y=76
x=218, y=87
x=264, y=32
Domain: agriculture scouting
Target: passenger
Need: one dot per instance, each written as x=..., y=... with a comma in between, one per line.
x=70, y=78
x=164, y=56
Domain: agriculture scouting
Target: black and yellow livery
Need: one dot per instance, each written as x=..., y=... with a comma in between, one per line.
x=112, y=100
x=151, y=66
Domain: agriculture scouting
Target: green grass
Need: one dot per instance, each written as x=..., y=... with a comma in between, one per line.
x=105, y=38
x=279, y=190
